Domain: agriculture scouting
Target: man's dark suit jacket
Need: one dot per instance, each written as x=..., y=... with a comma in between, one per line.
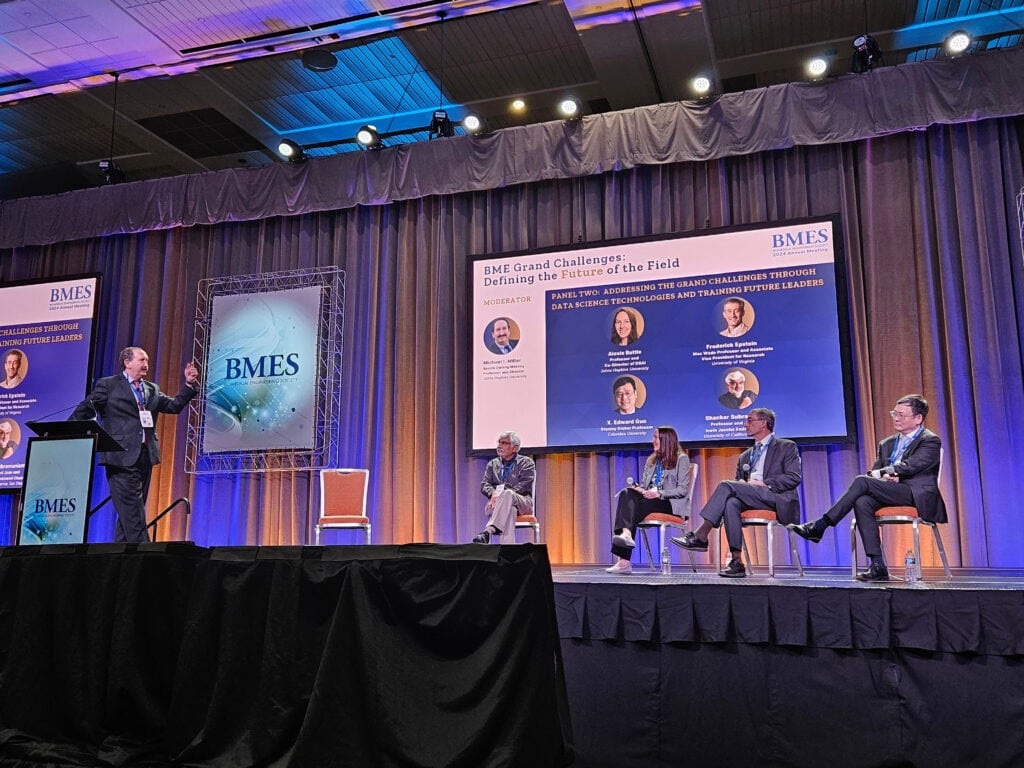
x=497, y=350
x=782, y=474
x=112, y=398
x=918, y=469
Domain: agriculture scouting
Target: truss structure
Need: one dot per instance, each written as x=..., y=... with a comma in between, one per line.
x=330, y=328
x=1020, y=217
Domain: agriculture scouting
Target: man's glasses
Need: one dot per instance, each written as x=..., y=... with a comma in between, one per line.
x=901, y=415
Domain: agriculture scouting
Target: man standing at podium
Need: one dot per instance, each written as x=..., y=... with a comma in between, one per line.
x=126, y=402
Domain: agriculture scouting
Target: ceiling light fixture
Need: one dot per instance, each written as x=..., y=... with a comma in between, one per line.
x=111, y=173
x=441, y=124
x=318, y=60
x=290, y=151
x=702, y=86
x=369, y=138
x=817, y=67
x=867, y=54
x=473, y=123
x=957, y=43
x=518, y=105
x=570, y=109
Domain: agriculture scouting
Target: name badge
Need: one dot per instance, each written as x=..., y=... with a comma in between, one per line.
x=499, y=488
x=146, y=417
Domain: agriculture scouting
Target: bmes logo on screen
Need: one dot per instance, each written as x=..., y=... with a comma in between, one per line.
x=57, y=506
x=263, y=367
x=800, y=238
x=71, y=293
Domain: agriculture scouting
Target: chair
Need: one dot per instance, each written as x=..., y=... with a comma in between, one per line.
x=769, y=519
x=904, y=516
x=530, y=521
x=663, y=521
x=343, y=500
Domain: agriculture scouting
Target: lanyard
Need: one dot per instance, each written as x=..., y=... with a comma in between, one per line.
x=505, y=470
x=657, y=473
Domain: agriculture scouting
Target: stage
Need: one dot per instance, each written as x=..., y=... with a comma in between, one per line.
x=481, y=656
x=819, y=670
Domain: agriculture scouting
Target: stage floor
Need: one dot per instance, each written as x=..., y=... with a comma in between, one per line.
x=968, y=579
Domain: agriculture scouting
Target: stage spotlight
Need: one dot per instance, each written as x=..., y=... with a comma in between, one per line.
x=290, y=151
x=441, y=125
x=570, y=109
x=958, y=42
x=866, y=54
x=472, y=123
x=817, y=67
x=701, y=86
x=369, y=138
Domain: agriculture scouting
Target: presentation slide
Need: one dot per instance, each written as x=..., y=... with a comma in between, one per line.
x=262, y=364
x=592, y=347
x=46, y=331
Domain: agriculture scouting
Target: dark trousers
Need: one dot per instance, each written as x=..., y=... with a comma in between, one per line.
x=729, y=500
x=630, y=509
x=129, y=487
x=865, y=496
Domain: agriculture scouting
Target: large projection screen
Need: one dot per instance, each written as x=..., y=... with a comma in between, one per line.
x=710, y=324
x=46, y=347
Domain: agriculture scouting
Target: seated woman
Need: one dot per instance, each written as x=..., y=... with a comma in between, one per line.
x=663, y=487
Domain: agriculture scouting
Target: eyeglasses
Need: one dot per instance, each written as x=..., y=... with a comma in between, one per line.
x=901, y=415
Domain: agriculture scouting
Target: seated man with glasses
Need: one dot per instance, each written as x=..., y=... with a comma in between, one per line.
x=767, y=476
x=905, y=474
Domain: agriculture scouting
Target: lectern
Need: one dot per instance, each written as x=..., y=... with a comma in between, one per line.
x=58, y=480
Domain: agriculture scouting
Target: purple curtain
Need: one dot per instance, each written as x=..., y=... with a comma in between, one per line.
x=935, y=279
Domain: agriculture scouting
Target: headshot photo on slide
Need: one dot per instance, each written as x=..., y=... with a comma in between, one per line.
x=15, y=368
x=10, y=437
x=628, y=394
x=741, y=389
x=627, y=326
x=734, y=317
x=501, y=335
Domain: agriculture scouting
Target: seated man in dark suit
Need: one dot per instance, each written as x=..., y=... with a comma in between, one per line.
x=905, y=474
x=767, y=476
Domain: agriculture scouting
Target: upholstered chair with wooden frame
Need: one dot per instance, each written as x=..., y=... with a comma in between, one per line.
x=343, y=501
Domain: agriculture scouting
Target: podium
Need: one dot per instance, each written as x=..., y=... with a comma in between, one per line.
x=57, y=486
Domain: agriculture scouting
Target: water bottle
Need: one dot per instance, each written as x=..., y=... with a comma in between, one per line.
x=666, y=563
x=909, y=566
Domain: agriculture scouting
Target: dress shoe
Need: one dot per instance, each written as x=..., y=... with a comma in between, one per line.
x=734, y=570
x=623, y=566
x=484, y=537
x=874, y=572
x=624, y=539
x=689, y=540
x=810, y=531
